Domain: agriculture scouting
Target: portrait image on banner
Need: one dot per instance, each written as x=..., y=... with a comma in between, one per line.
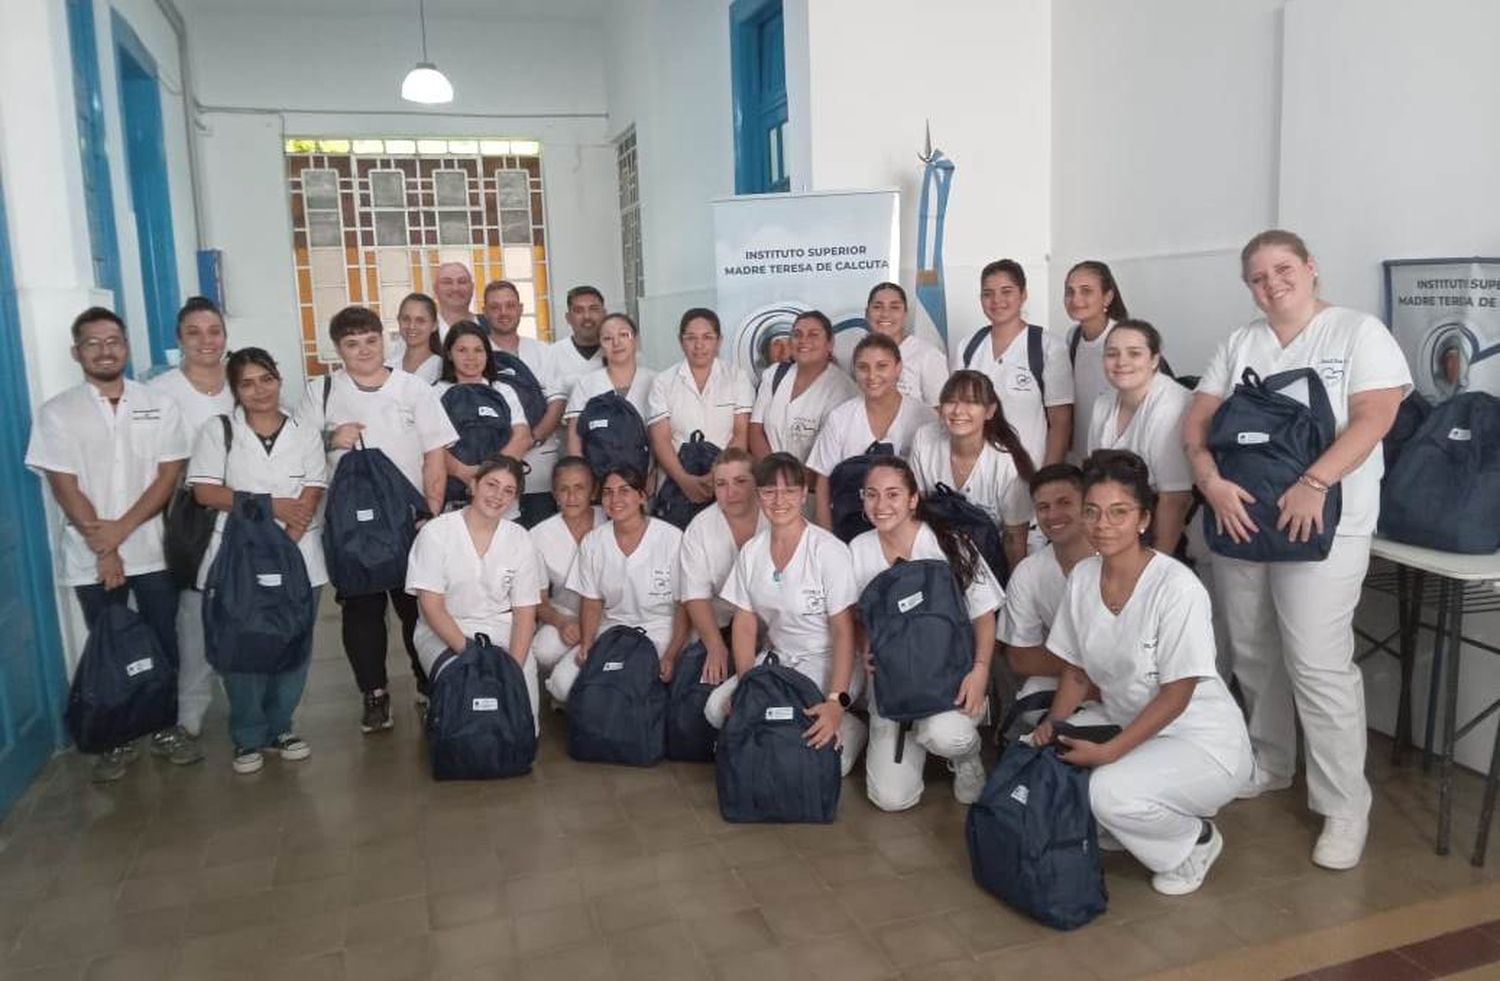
x=1445, y=314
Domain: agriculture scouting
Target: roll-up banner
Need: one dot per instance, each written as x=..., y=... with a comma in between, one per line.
x=1445, y=314
x=778, y=255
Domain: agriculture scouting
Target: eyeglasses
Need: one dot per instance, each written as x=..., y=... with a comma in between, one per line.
x=96, y=344
x=1114, y=515
x=772, y=493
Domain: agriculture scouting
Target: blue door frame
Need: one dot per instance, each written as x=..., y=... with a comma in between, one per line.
x=150, y=193
x=32, y=675
x=88, y=100
x=757, y=55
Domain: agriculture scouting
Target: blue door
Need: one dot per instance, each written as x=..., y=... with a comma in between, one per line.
x=31, y=664
x=89, y=106
x=757, y=50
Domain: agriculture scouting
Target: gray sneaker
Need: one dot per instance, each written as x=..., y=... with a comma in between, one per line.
x=110, y=766
x=176, y=747
x=377, y=714
x=290, y=746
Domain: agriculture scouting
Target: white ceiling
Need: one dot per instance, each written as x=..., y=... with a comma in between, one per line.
x=436, y=9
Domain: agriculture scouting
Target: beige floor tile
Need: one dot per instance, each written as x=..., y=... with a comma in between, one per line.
x=628, y=911
x=464, y=906
x=379, y=923
x=546, y=930
x=846, y=957
x=718, y=934
x=663, y=950
x=146, y=964
x=912, y=943
x=461, y=947
x=807, y=917
x=589, y=962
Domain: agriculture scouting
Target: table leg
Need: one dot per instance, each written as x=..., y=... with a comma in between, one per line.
x=1406, y=618
x=1434, y=681
x=1450, y=719
x=1487, y=812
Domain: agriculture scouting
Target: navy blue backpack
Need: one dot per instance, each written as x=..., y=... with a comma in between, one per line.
x=690, y=737
x=482, y=419
x=971, y=521
x=766, y=773
x=1033, y=841
x=369, y=523
x=613, y=434
x=921, y=639
x=1409, y=418
x=846, y=492
x=617, y=710
x=514, y=372
x=697, y=456
x=1444, y=491
x=125, y=686
x=1263, y=439
x=479, y=721
x=258, y=606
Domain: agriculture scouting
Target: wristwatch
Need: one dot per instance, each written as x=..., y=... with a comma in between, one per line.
x=842, y=697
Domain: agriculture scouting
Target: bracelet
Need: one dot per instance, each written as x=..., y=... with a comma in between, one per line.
x=1308, y=480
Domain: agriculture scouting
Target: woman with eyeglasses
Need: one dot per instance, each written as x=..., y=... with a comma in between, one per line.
x=1136, y=623
x=798, y=580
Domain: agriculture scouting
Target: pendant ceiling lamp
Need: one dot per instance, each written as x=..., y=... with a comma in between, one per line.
x=424, y=83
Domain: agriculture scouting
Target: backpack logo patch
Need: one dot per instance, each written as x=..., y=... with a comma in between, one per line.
x=1460, y=434
x=137, y=667
x=1021, y=794
x=1252, y=439
x=614, y=666
x=364, y=514
x=598, y=424
x=486, y=705
x=779, y=713
x=268, y=579
x=487, y=412
x=908, y=603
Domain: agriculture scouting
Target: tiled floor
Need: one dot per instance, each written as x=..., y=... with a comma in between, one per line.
x=354, y=864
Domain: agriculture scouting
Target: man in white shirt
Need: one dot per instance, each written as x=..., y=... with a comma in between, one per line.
x=454, y=286
x=574, y=356
x=112, y=450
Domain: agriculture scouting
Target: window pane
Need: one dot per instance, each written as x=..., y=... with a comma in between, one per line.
x=320, y=188
x=388, y=188
x=451, y=188
x=512, y=189
x=515, y=227
x=453, y=228
x=390, y=228
x=324, y=229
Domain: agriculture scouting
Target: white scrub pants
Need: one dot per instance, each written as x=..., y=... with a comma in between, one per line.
x=194, y=675
x=1291, y=633
x=565, y=671
x=893, y=786
x=1153, y=798
x=852, y=731
x=430, y=647
x=1203, y=560
x=547, y=647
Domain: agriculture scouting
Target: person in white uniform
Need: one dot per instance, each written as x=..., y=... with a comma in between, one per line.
x=199, y=388
x=1041, y=409
x=973, y=450
x=111, y=451
x=625, y=574
x=1291, y=623
x=924, y=367
x=417, y=349
x=798, y=580
x=1135, y=622
x=573, y=356
x=556, y=540
x=467, y=361
x=271, y=453
x=881, y=414
x=794, y=398
x=1092, y=298
x=709, y=546
x=619, y=341
x=474, y=571
x=904, y=530
x=700, y=393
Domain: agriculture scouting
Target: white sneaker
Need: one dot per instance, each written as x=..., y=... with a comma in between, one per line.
x=247, y=761
x=968, y=778
x=1188, y=876
x=1262, y=782
x=1341, y=844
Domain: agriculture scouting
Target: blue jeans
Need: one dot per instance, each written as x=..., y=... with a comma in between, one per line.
x=261, y=705
x=155, y=600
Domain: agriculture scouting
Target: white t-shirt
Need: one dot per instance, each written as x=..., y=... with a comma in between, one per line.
x=984, y=594
x=1352, y=352
x=597, y=382
x=1032, y=597
x=1088, y=384
x=994, y=485
x=196, y=407
x=479, y=592
x=675, y=397
x=568, y=364
x=428, y=370
x=556, y=550
x=1163, y=634
x=541, y=458
x=708, y=553
x=792, y=425
x=295, y=462
x=1019, y=393
x=402, y=417
x=114, y=452
x=638, y=590
x=795, y=604
x=1154, y=433
x=846, y=432
x=924, y=370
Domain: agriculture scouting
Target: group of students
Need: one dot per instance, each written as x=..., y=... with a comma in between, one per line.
x=543, y=551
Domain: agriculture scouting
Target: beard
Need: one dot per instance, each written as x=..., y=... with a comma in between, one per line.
x=104, y=374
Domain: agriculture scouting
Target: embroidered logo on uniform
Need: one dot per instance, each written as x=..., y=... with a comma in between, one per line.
x=268, y=579
x=814, y=601
x=1021, y=381
x=136, y=667
x=486, y=704
x=364, y=514
x=598, y=424
x=487, y=412
x=407, y=415
x=661, y=581
x=145, y=415
x=1460, y=434
x=614, y=666
x=1021, y=794
x=1252, y=439
x=779, y=713
x=908, y=603
x=1332, y=370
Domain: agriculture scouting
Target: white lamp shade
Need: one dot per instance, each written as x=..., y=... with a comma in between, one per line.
x=427, y=85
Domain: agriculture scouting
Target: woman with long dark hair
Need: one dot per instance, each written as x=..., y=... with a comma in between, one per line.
x=1094, y=302
x=924, y=368
x=417, y=349
x=468, y=360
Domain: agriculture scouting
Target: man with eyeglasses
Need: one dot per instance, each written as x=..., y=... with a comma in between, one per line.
x=112, y=450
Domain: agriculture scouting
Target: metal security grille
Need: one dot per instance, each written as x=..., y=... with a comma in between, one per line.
x=630, y=223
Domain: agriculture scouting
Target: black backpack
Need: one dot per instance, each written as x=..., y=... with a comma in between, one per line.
x=514, y=372
x=125, y=686
x=617, y=710
x=188, y=527
x=971, y=521
x=258, y=606
x=479, y=721
x=779, y=376
x=1036, y=358
x=1033, y=841
x=697, y=456
x=921, y=639
x=1263, y=440
x=481, y=417
x=690, y=737
x=765, y=772
x=1444, y=491
x=369, y=523
x=846, y=492
x=613, y=434
x=1409, y=418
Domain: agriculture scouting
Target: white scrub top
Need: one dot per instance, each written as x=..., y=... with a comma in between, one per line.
x=1019, y=393
x=597, y=383
x=556, y=550
x=114, y=451
x=792, y=425
x=1353, y=352
x=1163, y=634
x=479, y=591
x=1088, y=384
x=568, y=364
x=638, y=590
x=295, y=462
x=796, y=602
x=1154, y=433
x=195, y=406
x=846, y=432
x=984, y=594
x=675, y=397
x=1032, y=597
x=428, y=370
x=994, y=485
x=924, y=370
x=402, y=417
x=708, y=554
x=541, y=458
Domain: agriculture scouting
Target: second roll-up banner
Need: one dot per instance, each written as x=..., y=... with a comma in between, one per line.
x=780, y=254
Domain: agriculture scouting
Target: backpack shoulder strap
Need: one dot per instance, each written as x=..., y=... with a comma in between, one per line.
x=228, y=432
x=972, y=347
x=1036, y=360
x=1075, y=337
x=780, y=376
x=327, y=388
